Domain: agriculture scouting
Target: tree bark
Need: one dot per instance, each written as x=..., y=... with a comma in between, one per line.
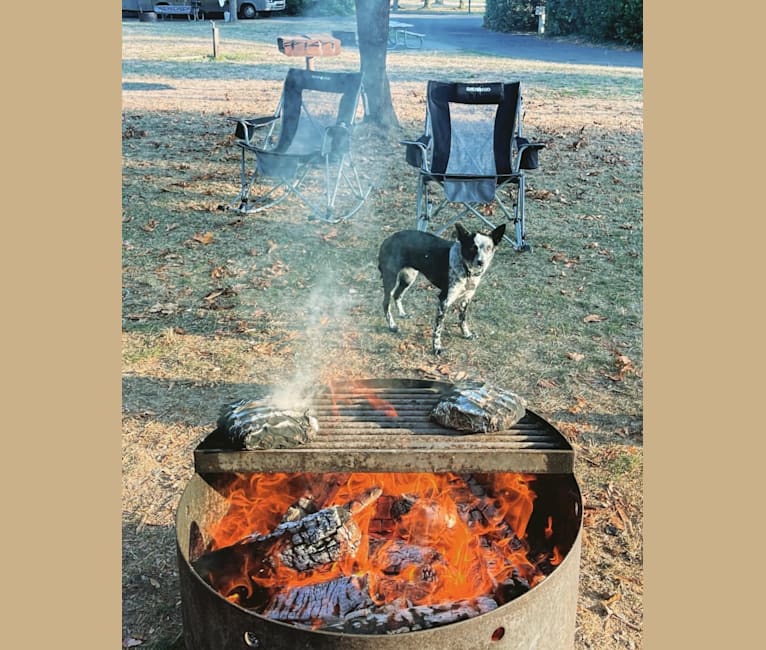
x=372, y=28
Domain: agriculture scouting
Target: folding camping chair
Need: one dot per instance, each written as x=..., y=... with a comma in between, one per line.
x=474, y=150
x=309, y=135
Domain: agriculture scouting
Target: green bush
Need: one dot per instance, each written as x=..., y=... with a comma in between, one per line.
x=320, y=7
x=511, y=15
x=620, y=21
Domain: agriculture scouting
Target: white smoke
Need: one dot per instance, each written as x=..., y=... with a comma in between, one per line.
x=327, y=313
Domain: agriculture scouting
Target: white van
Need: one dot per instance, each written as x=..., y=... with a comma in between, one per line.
x=247, y=8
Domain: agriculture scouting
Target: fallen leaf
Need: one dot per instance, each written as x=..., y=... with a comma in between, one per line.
x=593, y=318
x=578, y=406
x=130, y=642
x=612, y=599
x=203, y=238
x=332, y=234
x=150, y=225
x=272, y=246
x=575, y=356
x=547, y=383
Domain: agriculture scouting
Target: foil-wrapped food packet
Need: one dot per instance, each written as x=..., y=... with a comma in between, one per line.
x=479, y=408
x=249, y=424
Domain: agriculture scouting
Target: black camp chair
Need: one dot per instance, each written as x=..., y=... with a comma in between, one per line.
x=309, y=135
x=474, y=150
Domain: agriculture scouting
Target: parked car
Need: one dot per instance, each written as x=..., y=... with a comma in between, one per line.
x=247, y=8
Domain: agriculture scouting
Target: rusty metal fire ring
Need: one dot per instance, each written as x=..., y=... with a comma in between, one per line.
x=543, y=618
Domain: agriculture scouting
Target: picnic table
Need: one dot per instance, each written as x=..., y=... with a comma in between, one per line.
x=400, y=34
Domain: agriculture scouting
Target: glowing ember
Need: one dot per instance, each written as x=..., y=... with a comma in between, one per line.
x=325, y=549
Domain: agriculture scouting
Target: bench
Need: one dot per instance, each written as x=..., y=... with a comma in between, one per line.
x=413, y=35
x=402, y=36
x=191, y=11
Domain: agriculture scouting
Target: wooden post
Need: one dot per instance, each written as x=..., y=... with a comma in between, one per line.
x=215, y=39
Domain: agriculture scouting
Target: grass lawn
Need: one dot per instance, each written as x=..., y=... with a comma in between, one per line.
x=219, y=306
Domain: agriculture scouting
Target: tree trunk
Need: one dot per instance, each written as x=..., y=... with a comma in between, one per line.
x=372, y=29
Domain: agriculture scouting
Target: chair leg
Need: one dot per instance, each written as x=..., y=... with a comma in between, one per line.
x=519, y=221
x=422, y=206
x=273, y=196
x=356, y=194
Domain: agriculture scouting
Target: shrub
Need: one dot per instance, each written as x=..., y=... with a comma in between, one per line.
x=511, y=15
x=620, y=21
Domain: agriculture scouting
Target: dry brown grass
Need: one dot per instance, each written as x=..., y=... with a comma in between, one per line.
x=271, y=296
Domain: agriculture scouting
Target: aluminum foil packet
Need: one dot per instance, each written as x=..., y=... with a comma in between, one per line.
x=249, y=424
x=479, y=408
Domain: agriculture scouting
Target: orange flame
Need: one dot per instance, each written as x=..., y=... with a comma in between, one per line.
x=357, y=389
x=428, y=539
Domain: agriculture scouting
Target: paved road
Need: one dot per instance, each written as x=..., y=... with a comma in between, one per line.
x=464, y=32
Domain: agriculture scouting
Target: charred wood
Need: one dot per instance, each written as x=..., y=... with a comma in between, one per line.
x=308, y=543
x=303, y=507
x=388, y=511
x=329, y=601
x=398, y=617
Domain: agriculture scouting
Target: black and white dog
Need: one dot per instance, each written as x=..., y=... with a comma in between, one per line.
x=454, y=267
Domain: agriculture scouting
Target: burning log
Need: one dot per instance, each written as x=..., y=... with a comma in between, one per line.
x=477, y=508
x=388, y=511
x=397, y=617
x=399, y=556
x=305, y=544
x=479, y=408
x=303, y=507
x=249, y=424
x=329, y=601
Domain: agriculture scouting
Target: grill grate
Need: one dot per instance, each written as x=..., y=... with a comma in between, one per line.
x=358, y=433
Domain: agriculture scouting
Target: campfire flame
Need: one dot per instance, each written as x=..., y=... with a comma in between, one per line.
x=359, y=390
x=422, y=539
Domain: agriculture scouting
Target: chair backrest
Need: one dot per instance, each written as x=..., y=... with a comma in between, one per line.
x=313, y=101
x=472, y=126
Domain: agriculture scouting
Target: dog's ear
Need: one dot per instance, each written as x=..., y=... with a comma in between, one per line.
x=462, y=233
x=497, y=234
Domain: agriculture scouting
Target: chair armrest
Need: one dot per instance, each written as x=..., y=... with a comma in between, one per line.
x=416, y=151
x=246, y=127
x=336, y=139
x=526, y=156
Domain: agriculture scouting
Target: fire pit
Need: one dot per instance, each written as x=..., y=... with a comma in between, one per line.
x=382, y=477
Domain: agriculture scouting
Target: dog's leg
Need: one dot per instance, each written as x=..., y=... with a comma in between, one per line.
x=446, y=300
x=437, y=333
x=463, y=316
x=407, y=277
x=388, y=288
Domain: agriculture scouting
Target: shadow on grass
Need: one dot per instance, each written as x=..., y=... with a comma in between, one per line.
x=150, y=587
x=185, y=401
